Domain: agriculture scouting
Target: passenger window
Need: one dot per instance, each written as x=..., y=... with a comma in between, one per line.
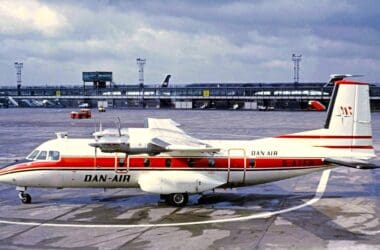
x=211, y=163
x=53, y=156
x=168, y=162
x=252, y=163
x=146, y=162
x=190, y=162
x=32, y=155
x=41, y=156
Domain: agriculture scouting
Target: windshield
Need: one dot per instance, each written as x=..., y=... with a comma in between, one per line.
x=44, y=155
x=41, y=156
x=33, y=155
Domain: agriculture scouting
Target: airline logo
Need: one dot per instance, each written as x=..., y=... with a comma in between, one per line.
x=106, y=178
x=345, y=111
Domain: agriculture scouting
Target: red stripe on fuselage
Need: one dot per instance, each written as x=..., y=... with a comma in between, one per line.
x=176, y=163
x=325, y=136
x=346, y=147
x=287, y=162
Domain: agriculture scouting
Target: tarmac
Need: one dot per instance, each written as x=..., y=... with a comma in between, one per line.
x=323, y=210
x=337, y=209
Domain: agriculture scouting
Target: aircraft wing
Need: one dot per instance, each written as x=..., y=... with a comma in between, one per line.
x=352, y=163
x=184, y=144
x=168, y=124
x=167, y=135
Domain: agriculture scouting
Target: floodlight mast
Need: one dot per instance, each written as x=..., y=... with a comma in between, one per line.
x=296, y=67
x=141, y=62
x=18, y=66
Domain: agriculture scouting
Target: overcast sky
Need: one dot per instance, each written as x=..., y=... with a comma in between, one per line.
x=195, y=41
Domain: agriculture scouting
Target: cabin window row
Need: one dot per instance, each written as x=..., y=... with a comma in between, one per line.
x=189, y=162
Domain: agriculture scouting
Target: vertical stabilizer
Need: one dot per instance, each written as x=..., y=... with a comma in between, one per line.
x=348, y=121
x=349, y=110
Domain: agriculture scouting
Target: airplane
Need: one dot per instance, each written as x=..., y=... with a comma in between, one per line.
x=162, y=159
x=316, y=105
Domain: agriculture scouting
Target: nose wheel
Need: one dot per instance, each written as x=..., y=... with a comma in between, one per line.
x=25, y=197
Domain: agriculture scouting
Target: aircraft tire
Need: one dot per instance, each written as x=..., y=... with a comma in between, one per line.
x=26, y=198
x=178, y=199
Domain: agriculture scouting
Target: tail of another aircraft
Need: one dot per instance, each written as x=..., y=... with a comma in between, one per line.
x=348, y=122
x=165, y=83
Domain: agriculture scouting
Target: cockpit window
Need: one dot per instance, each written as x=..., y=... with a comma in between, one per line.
x=44, y=155
x=33, y=155
x=41, y=156
x=53, y=156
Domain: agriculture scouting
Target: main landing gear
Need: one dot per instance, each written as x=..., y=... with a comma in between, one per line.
x=24, y=197
x=177, y=199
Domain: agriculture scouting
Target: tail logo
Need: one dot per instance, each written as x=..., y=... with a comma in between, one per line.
x=345, y=111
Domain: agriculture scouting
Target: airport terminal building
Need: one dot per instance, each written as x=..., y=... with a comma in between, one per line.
x=98, y=87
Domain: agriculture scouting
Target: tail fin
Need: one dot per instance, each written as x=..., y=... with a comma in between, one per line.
x=348, y=122
x=349, y=111
x=165, y=83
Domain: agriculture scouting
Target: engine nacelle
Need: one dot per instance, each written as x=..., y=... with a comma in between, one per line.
x=121, y=144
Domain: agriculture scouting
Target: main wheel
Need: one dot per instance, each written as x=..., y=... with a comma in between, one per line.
x=25, y=198
x=178, y=199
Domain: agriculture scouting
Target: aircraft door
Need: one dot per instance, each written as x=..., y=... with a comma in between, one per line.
x=237, y=166
x=121, y=163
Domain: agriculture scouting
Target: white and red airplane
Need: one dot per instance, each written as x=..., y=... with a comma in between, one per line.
x=163, y=159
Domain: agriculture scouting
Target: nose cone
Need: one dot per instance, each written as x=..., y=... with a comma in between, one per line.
x=6, y=175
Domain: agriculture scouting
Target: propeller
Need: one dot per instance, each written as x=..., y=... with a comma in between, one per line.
x=109, y=140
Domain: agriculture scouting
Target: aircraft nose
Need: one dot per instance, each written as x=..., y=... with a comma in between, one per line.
x=4, y=178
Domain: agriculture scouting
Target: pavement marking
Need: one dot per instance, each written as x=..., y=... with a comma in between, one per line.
x=318, y=195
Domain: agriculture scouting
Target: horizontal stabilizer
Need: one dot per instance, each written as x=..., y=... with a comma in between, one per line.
x=349, y=162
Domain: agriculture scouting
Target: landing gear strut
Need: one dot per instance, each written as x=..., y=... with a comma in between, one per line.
x=177, y=199
x=25, y=197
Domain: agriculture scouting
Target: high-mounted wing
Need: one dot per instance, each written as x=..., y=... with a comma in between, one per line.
x=160, y=135
x=169, y=137
x=351, y=163
x=167, y=124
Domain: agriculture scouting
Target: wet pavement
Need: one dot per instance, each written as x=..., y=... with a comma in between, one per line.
x=347, y=216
